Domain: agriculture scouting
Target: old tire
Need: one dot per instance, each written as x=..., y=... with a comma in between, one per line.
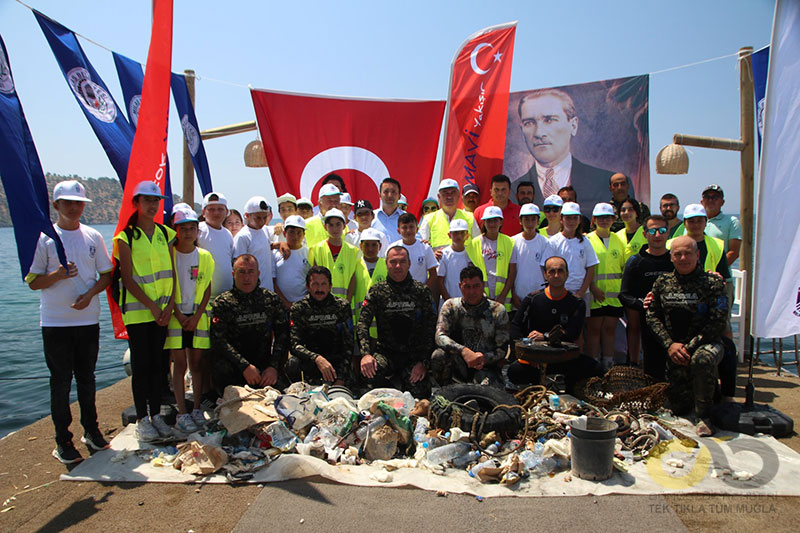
x=476, y=402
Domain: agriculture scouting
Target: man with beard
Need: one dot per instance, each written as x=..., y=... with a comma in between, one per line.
x=669, y=209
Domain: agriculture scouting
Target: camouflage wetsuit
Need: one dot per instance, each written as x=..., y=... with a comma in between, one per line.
x=246, y=328
x=481, y=328
x=690, y=309
x=321, y=329
x=405, y=319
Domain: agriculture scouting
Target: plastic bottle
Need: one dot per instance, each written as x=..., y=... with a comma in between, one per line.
x=448, y=452
x=663, y=433
x=313, y=432
x=421, y=434
x=530, y=459
x=282, y=438
x=467, y=458
x=554, y=402
x=369, y=427
x=473, y=472
x=493, y=448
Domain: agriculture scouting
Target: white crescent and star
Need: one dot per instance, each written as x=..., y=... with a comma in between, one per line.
x=473, y=59
x=340, y=158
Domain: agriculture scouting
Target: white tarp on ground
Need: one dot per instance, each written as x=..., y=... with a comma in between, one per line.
x=774, y=468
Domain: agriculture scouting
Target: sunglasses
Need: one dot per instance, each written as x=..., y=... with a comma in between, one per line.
x=429, y=208
x=653, y=231
x=551, y=209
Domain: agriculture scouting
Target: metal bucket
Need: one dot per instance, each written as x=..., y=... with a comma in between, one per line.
x=592, y=447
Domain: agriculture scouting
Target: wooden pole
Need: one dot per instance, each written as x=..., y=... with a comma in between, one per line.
x=708, y=142
x=231, y=129
x=746, y=184
x=188, y=166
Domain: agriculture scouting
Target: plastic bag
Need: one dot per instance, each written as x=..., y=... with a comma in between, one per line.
x=199, y=459
x=402, y=402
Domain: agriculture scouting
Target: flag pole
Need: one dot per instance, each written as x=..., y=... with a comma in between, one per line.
x=188, y=165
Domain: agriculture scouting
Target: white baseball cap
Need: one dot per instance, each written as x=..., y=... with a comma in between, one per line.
x=70, y=190
x=148, y=188
x=214, y=198
x=492, y=212
x=334, y=213
x=371, y=234
x=529, y=209
x=180, y=205
x=403, y=200
x=288, y=197
x=295, y=221
x=448, y=184
x=304, y=201
x=602, y=210
x=694, y=210
x=345, y=199
x=570, y=208
x=459, y=224
x=554, y=199
x=257, y=204
x=329, y=189
x=184, y=215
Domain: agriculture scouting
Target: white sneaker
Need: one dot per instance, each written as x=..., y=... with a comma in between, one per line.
x=199, y=418
x=185, y=423
x=145, y=432
x=161, y=426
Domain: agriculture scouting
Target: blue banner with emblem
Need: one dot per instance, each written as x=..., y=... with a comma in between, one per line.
x=131, y=79
x=22, y=174
x=109, y=124
x=191, y=131
x=760, y=63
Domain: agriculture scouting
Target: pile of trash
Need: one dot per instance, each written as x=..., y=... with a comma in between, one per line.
x=390, y=429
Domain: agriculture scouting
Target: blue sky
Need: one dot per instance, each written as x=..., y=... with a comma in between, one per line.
x=402, y=50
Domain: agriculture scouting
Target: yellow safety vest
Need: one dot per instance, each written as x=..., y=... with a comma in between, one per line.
x=635, y=244
x=201, y=339
x=608, y=275
x=152, y=271
x=505, y=245
x=439, y=225
x=363, y=283
x=342, y=270
x=315, y=231
x=715, y=249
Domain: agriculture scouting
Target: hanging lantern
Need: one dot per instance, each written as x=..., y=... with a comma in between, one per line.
x=672, y=159
x=254, y=155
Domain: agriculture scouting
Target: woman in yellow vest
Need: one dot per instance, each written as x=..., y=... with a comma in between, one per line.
x=493, y=253
x=631, y=235
x=338, y=256
x=188, y=329
x=143, y=253
x=605, y=309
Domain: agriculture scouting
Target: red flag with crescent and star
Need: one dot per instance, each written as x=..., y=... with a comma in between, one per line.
x=148, y=159
x=306, y=137
x=477, y=107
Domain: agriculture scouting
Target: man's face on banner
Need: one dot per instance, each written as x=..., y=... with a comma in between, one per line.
x=546, y=129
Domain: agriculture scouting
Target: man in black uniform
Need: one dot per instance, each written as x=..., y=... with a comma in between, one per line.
x=403, y=310
x=249, y=333
x=641, y=271
x=539, y=313
x=321, y=344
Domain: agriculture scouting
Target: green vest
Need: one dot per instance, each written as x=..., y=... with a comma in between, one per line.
x=315, y=231
x=608, y=274
x=715, y=248
x=439, y=225
x=342, y=270
x=363, y=283
x=505, y=245
x=201, y=340
x=152, y=270
x=635, y=244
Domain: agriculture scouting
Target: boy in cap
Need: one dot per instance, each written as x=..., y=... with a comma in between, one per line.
x=70, y=315
x=305, y=208
x=329, y=197
x=338, y=256
x=532, y=250
x=253, y=240
x=364, y=217
x=371, y=269
x=290, y=279
x=454, y=259
x=218, y=240
x=346, y=207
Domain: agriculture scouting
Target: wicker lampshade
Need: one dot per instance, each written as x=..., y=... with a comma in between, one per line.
x=254, y=155
x=672, y=159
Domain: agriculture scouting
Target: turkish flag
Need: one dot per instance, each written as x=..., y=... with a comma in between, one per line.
x=307, y=137
x=475, y=131
x=148, y=159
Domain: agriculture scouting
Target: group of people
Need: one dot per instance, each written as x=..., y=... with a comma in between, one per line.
x=368, y=298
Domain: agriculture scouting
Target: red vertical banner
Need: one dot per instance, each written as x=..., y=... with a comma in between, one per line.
x=477, y=107
x=148, y=160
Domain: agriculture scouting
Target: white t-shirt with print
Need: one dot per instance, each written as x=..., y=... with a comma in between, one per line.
x=291, y=273
x=579, y=256
x=256, y=243
x=422, y=259
x=219, y=242
x=531, y=255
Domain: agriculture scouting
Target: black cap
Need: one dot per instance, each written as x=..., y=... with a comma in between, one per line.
x=362, y=204
x=468, y=188
x=716, y=188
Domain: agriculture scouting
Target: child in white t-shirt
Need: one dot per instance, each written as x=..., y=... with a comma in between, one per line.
x=290, y=282
x=253, y=240
x=423, y=262
x=70, y=315
x=215, y=238
x=454, y=259
x=532, y=250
